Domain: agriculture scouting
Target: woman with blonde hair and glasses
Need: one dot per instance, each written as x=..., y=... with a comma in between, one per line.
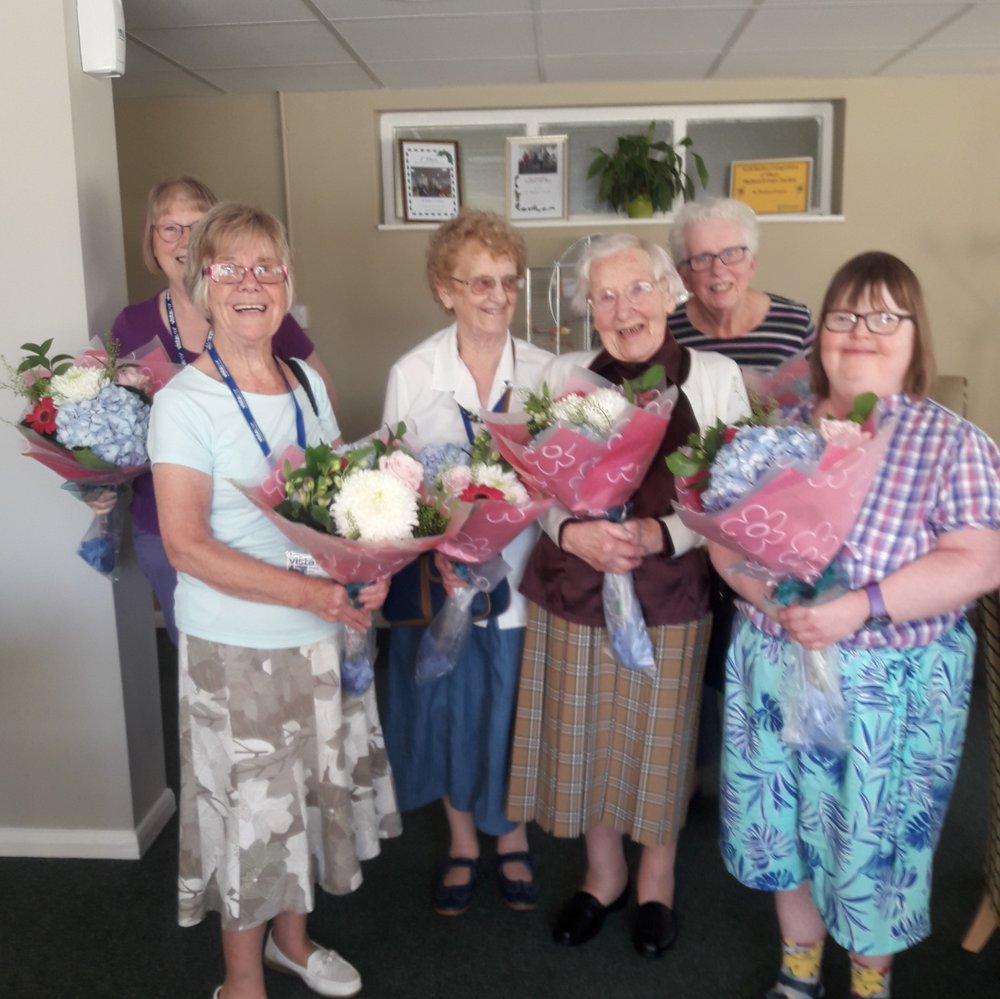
x=172, y=207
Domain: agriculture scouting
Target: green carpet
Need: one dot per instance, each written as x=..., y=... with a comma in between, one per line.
x=94, y=929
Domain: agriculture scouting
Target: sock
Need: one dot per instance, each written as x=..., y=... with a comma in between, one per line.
x=799, y=977
x=870, y=983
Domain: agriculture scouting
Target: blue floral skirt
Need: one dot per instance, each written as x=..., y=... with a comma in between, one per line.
x=861, y=827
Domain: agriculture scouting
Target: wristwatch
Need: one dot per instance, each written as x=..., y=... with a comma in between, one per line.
x=879, y=615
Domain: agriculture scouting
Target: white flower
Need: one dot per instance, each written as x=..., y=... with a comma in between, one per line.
x=375, y=505
x=599, y=410
x=405, y=468
x=77, y=384
x=504, y=480
x=455, y=479
x=602, y=408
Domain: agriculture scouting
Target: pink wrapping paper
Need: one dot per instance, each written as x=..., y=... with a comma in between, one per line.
x=794, y=523
x=786, y=385
x=586, y=476
x=490, y=527
x=344, y=560
x=151, y=360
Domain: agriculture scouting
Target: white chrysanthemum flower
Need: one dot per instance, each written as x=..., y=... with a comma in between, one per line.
x=77, y=384
x=569, y=409
x=499, y=478
x=602, y=408
x=375, y=505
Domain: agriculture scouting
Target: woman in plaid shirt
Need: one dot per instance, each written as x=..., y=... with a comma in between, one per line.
x=846, y=841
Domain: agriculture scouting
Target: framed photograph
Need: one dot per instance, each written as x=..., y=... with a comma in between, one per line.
x=536, y=177
x=430, y=180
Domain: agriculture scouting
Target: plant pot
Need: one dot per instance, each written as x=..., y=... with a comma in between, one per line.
x=640, y=207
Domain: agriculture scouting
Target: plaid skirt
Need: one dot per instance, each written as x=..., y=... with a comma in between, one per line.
x=595, y=742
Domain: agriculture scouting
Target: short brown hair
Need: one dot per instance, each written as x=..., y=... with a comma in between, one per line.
x=219, y=228
x=472, y=226
x=159, y=196
x=876, y=272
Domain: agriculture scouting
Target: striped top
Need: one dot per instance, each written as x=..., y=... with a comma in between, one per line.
x=940, y=473
x=787, y=330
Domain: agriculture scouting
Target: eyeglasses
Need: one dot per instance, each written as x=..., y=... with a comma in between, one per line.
x=230, y=273
x=484, y=284
x=171, y=232
x=606, y=299
x=730, y=256
x=879, y=323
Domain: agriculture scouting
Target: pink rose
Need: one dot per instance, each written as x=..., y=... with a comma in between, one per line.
x=456, y=479
x=842, y=433
x=405, y=468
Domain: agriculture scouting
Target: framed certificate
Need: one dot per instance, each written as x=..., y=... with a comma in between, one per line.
x=536, y=177
x=430, y=180
x=772, y=187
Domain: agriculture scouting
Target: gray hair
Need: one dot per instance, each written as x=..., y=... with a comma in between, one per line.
x=715, y=209
x=607, y=246
x=218, y=229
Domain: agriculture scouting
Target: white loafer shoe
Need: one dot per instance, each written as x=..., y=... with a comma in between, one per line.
x=326, y=972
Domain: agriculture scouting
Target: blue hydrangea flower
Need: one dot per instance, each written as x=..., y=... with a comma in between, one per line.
x=437, y=457
x=113, y=425
x=753, y=453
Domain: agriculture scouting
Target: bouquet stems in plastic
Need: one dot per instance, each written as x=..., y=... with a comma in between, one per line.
x=444, y=638
x=357, y=660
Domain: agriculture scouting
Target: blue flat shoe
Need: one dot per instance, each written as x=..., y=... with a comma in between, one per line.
x=453, y=900
x=519, y=895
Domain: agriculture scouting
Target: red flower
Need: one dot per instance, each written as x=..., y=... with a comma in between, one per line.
x=729, y=433
x=43, y=417
x=474, y=491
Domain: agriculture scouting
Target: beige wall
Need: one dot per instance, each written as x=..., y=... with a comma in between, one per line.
x=918, y=180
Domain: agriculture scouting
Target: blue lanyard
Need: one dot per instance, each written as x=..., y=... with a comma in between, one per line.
x=175, y=333
x=300, y=425
x=469, y=418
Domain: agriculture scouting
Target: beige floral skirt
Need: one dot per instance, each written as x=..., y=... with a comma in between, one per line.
x=285, y=783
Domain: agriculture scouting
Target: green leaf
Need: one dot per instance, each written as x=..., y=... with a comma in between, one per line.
x=88, y=459
x=863, y=406
x=682, y=465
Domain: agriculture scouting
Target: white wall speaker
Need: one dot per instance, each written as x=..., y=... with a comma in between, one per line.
x=102, y=36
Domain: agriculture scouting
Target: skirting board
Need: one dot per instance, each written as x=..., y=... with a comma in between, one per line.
x=90, y=844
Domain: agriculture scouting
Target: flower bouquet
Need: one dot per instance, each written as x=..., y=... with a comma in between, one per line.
x=502, y=508
x=786, y=496
x=360, y=512
x=87, y=419
x=588, y=444
x=785, y=385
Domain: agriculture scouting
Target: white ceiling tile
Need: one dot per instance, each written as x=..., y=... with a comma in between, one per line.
x=804, y=64
x=628, y=5
x=186, y=13
x=456, y=72
x=418, y=8
x=173, y=83
x=946, y=61
x=139, y=59
x=975, y=27
x=646, y=32
x=488, y=36
x=247, y=45
x=290, y=79
x=675, y=66
x=841, y=26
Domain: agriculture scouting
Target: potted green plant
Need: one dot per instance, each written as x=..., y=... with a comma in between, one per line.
x=643, y=176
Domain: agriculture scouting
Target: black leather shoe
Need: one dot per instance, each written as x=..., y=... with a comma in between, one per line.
x=655, y=929
x=582, y=917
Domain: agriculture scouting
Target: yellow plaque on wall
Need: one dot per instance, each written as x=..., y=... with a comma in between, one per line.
x=772, y=187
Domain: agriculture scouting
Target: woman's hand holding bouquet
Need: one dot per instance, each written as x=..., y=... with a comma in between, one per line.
x=361, y=512
x=502, y=507
x=87, y=420
x=785, y=496
x=588, y=444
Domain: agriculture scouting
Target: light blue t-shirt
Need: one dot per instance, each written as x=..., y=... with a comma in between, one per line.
x=196, y=423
